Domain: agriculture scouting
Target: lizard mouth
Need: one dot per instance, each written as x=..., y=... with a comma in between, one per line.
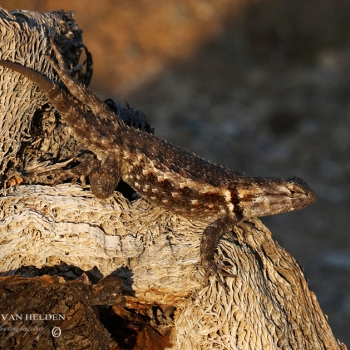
x=299, y=189
x=309, y=197
x=270, y=196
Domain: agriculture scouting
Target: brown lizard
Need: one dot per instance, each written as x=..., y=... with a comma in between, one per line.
x=163, y=174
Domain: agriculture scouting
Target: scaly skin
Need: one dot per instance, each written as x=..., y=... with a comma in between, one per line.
x=161, y=173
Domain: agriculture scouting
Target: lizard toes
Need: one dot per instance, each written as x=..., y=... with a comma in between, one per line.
x=211, y=268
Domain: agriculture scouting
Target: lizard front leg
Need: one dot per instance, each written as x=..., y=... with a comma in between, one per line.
x=104, y=177
x=207, y=248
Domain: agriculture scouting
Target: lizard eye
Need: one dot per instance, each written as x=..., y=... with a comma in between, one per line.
x=294, y=191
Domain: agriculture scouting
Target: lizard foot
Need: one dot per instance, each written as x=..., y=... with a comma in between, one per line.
x=103, y=175
x=59, y=175
x=211, y=268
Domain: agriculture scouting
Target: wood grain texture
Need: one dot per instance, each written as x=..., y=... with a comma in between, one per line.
x=268, y=306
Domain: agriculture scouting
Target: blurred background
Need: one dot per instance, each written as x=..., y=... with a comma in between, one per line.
x=261, y=87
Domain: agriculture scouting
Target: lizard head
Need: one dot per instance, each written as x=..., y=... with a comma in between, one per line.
x=259, y=197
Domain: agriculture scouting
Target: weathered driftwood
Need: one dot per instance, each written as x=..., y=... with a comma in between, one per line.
x=268, y=306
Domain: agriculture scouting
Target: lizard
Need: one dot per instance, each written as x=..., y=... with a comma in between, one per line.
x=161, y=173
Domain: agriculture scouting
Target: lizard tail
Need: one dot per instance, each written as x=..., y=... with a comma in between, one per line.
x=42, y=82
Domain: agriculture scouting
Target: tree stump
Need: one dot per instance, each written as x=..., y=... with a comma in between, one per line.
x=152, y=295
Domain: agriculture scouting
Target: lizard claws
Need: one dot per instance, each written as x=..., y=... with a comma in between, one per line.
x=211, y=268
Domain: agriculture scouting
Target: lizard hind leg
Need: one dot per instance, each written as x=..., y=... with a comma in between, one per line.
x=103, y=176
x=207, y=248
x=76, y=89
x=58, y=55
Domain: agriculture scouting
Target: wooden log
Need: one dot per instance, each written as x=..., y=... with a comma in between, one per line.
x=156, y=253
